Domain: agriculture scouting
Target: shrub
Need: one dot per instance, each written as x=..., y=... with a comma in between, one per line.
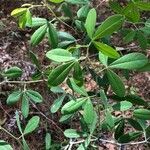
x=73, y=59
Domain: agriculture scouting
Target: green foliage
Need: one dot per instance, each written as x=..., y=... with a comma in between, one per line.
x=127, y=61
x=59, y=55
x=5, y=146
x=109, y=26
x=91, y=22
x=47, y=141
x=116, y=83
x=13, y=72
x=106, y=50
x=32, y=125
x=38, y=35
x=71, y=60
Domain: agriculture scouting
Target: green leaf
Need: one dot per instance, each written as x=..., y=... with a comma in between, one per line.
x=22, y=21
x=67, y=10
x=106, y=50
x=145, y=68
x=64, y=36
x=59, y=55
x=93, y=125
x=115, y=6
x=65, y=39
x=18, y=12
x=142, y=40
x=130, y=36
x=59, y=74
x=119, y=131
x=91, y=22
x=18, y=122
x=56, y=1
x=57, y=89
x=80, y=90
x=65, y=118
x=126, y=138
x=52, y=35
x=135, y=124
x=71, y=133
x=80, y=25
x=116, y=83
x=143, y=123
x=81, y=147
x=34, y=59
x=83, y=12
x=134, y=99
x=78, y=74
x=73, y=105
x=47, y=141
x=5, y=146
x=14, y=97
x=25, y=145
x=122, y=106
x=32, y=125
x=64, y=44
x=103, y=58
x=148, y=132
x=109, y=26
x=34, y=96
x=143, y=5
x=13, y=72
x=109, y=120
x=28, y=17
x=88, y=114
x=104, y=99
x=77, y=1
x=143, y=114
x=131, y=12
x=130, y=61
x=25, y=106
x=36, y=22
x=57, y=104
x=38, y=35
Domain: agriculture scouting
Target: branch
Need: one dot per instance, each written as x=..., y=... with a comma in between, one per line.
x=122, y=144
x=71, y=143
x=22, y=82
x=42, y=114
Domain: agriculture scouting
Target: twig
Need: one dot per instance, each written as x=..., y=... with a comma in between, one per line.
x=21, y=82
x=17, y=139
x=100, y=3
x=71, y=143
x=47, y=5
x=121, y=144
x=4, y=109
x=42, y=114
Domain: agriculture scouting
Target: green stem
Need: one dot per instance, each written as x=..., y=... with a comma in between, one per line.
x=53, y=13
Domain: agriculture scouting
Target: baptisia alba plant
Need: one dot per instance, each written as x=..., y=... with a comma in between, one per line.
x=71, y=54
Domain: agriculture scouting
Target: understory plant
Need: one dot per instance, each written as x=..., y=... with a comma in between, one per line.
x=71, y=57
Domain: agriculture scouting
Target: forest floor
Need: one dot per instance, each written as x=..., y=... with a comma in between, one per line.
x=14, y=48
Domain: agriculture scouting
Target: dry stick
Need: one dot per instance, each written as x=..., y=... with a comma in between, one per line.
x=122, y=144
x=29, y=82
x=71, y=143
x=22, y=82
x=17, y=139
x=47, y=5
x=4, y=109
x=42, y=114
x=100, y=3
